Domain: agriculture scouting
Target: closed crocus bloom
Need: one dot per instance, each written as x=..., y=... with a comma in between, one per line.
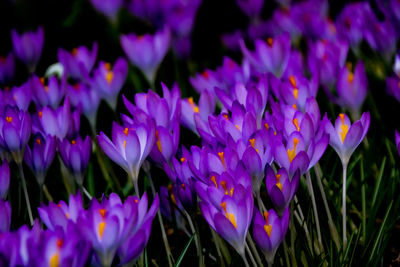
x=4, y=179
x=79, y=62
x=129, y=146
x=86, y=99
x=271, y=55
x=75, y=154
x=344, y=136
x=5, y=216
x=15, y=130
x=137, y=239
x=58, y=215
x=28, y=46
x=269, y=231
x=146, y=51
x=207, y=79
x=40, y=155
x=397, y=140
x=19, y=96
x=281, y=188
x=109, y=8
x=108, y=80
x=231, y=217
x=56, y=122
x=352, y=87
x=7, y=68
x=47, y=93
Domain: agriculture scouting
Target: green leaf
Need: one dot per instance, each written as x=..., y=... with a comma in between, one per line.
x=184, y=251
x=378, y=182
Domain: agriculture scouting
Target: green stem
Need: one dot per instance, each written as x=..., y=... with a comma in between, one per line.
x=331, y=224
x=47, y=193
x=344, y=206
x=253, y=249
x=196, y=238
x=160, y=220
x=28, y=204
x=250, y=255
x=243, y=255
x=216, y=242
x=314, y=204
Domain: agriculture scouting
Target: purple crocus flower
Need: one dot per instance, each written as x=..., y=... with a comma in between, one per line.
x=40, y=157
x=49, y=94
x=252, y=8
x=344, y=136
x=207, y=79
x=4, y=179
x=59, y=215
x=381, y=36
x=231, y=215
x=15, y=130
x=109, y=8
x=111, y=223
x=192, y=112
x=86, y=99
x=57, y=122
x=393, y=86
x=397, y=140
x=79, y=62
x=75, y=154
x=352, y=87
x=19, y=96
x=5, y=216
x=108, y=80
x=137, y=239
x=7, y=68
x=271, y=55
x=146, y=51
x=129, y=146
x=28, y=47
x=270, y=231
x=281, y=188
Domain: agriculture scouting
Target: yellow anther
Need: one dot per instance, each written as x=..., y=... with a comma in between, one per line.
x=278, y=176
x=292, y=81
x=252, y=142
x=350, y=77
x=109, y=76
x=270, y=41
x=126, y=131
x=102, y=213
x=107, y=66
x=296, y=93
x=40, y=113
x=294, y=106
x=9, y=119
x=266, y=125
x=279, y=185
x=226, y=116
x=223, y=205
x=221, y=157
x=237, y=127
x=73, y=142
x=183, y=159
x=55, y=260
x=59, y=243
x=183, y=186
x=67, y=215
x=124, y=143
x=344, y=128
x=232, y=219
x=193, y=105
x=296, y=123
x=214, y=181
x=101, y=227
x=38, y=141
x=266, y=214
x=292, y=152
x=231, y=192
x=268, y=229
x=158, y=142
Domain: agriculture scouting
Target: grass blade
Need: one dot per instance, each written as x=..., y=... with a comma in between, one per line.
x=378, y=182
x=178, y=262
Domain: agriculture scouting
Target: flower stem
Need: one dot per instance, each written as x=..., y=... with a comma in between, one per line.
x=47, y=193
x=28, y=204
x=253, y=249
x=243, y=255
x=332, y=226
x=196, y=238
x=344, y=206
x=216, y=242
x=314, y=204
x=250, y=254
x=160, y=220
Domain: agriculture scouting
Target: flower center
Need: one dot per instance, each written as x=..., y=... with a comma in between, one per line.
x=344, y=128
x=292, y=152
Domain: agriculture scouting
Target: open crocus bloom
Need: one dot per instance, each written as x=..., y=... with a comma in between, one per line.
x=345, y=137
